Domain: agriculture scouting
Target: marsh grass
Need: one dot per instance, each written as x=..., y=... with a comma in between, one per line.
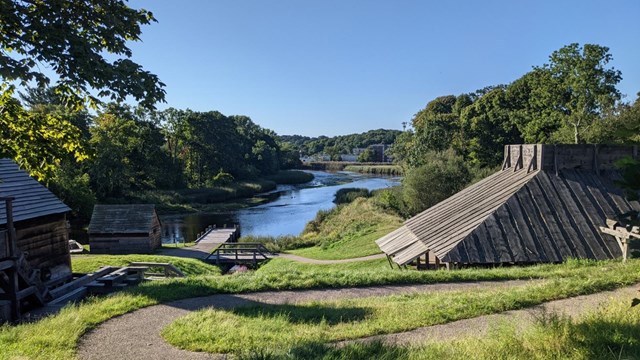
x=279, y=328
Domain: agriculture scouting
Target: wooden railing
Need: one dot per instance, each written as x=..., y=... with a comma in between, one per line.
x=240, y=253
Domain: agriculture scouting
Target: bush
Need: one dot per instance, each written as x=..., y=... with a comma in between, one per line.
x=291, y=177
x=347, y=195
x=443, y=175
x=222, y=178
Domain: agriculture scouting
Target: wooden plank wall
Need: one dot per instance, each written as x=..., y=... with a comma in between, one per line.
x=46, y=240
x=550, y=219
x=121, y=244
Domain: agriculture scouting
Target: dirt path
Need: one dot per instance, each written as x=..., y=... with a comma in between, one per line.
x=137, y=335
x=325, y=262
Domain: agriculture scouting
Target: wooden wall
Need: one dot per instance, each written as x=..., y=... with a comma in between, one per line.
x=566, y=156
x=127, y=243
x=46, y=241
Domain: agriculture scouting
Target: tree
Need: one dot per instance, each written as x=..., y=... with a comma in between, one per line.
x=37, y=139
x=586, y=87
x=75, y=38
x=368, y=155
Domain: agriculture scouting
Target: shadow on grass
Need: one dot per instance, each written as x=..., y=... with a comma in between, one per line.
x=374, y=350
x=306, y=314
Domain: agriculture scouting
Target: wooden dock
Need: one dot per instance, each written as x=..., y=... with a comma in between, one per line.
x=240, y=254
x=206, y=243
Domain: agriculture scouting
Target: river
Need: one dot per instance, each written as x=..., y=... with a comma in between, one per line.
x=292, y=207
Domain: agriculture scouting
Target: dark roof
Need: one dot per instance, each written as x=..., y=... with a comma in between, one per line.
x=122, y=219
x=32, y=200
x=537, y=209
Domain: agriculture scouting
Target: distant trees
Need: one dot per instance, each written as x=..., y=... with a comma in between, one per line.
x=571, y=99
x=343, y=144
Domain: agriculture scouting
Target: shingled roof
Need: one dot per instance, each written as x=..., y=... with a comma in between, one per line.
x=32, y=200
x=122, y=219
x=544, y=206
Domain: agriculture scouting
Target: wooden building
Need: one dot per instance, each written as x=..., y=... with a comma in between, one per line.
x=124, y=229
x=39, y=219
x=545, y=205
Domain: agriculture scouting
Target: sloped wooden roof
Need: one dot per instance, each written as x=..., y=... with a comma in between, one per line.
x=122, y=219
x=32, y=200
x=534, y=210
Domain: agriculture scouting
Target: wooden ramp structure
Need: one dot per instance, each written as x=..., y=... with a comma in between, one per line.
x=207, y=241
x=544, y=206
x=240, y=254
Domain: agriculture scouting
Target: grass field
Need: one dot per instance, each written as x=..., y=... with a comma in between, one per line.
x=610, y=332
x=56, y=337
x=91, y=263
x=279, y=328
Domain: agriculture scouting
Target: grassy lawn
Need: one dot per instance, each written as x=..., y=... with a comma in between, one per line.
x=56, y=337
x=278, y=328
x=190, y=267
x=352, y=246
x=608, y=333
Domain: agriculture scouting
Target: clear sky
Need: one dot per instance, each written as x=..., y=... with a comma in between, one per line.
x=331, y=67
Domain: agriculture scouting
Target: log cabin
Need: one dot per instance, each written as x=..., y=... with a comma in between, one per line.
x=546, y=205
x=39, y=217
x=124, y=229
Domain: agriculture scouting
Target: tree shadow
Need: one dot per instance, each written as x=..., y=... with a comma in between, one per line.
x=305, y=313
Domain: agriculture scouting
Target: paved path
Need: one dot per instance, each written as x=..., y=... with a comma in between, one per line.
x=203, y=247
x=137, y=335
x=480, y=326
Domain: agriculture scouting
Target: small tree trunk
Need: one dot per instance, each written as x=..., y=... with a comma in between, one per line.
x=575, y=134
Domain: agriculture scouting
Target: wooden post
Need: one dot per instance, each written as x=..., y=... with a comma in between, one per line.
x=621, y=234
x=389, y=260
x=13, y=255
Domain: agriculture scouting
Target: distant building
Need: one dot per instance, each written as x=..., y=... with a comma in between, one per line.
x=124, y=229
x=379, y=151
x=348, y=158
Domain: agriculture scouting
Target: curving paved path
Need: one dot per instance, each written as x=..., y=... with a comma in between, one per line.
x=137, y=335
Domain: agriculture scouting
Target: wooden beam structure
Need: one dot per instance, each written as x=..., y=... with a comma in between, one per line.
x=622, y=234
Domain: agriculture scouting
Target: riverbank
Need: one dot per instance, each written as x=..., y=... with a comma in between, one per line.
x=233, y=196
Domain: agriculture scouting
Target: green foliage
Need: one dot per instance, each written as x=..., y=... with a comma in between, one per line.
x=390, y=170
x=348, y=195
x=442, y=176
x=291, y=177
x=343, y=144
x=222, y=178
x=83, y=41
x=630, y=172
x=368, y=155
x=38, y=139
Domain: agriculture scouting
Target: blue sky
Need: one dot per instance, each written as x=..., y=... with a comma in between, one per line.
x=335, y=67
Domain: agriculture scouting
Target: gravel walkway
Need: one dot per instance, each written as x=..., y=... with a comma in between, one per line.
x=137, y=335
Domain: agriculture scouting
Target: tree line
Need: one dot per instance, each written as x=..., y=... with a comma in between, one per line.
x=334, y=146
x=121, y=150
x=458, y=139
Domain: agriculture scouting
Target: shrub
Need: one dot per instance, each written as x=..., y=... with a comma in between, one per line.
x=347, y=195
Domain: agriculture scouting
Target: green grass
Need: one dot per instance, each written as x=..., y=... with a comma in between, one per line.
x=190, y=267
x=347, y=246
x=610, y=332
x=177, y=245
x=56, y=337
x=394, y=170
x=291, y=177
x=278, y=328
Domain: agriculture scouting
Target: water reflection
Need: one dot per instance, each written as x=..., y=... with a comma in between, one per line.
x=293, y=208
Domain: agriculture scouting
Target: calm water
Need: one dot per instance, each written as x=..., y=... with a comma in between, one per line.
x=292, y=209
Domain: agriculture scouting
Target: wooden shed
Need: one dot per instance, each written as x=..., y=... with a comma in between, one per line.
x=39, y=219
x=545, y=205
x=124, y=229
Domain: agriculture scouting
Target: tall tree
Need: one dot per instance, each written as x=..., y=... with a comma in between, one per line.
x=77, y=39
x=586, y=86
